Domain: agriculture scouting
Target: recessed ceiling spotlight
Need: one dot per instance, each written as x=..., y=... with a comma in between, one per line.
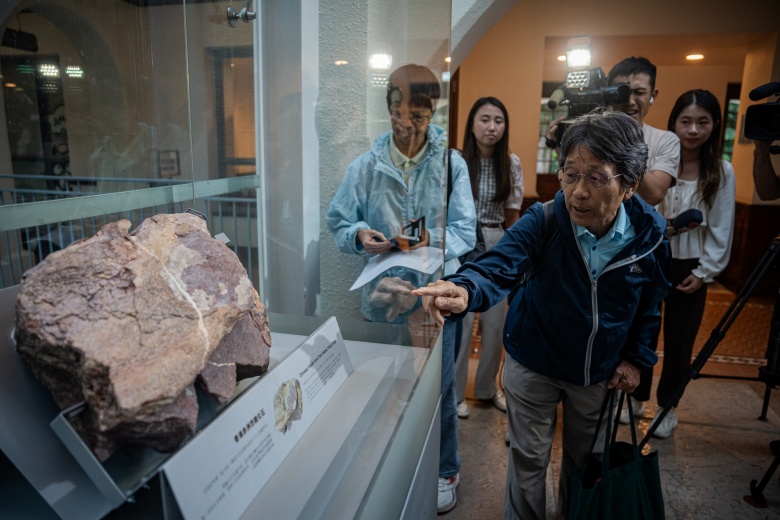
x=562, y=58
x=694, y=57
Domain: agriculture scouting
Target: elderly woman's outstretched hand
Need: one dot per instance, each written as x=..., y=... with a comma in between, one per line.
x=442, y=298
x=625, y=377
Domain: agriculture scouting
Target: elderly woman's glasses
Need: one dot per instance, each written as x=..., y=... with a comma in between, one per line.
x=416, y=119
x=593, y=179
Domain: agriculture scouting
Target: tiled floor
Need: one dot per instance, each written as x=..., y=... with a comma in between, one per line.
x=718, y=448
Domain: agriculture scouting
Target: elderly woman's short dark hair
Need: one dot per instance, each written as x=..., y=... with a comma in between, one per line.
x=613, y=137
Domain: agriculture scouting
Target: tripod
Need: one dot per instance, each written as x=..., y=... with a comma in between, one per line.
x=769, y=375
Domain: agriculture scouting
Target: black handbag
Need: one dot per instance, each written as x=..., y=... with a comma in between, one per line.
x=623, y=484
x=479, y=247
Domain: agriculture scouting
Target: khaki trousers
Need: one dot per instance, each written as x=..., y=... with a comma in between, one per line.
x=532, y=410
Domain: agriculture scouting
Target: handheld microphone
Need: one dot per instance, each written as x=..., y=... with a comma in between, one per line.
x=687, y=220
x=556, y=97
x=763, y=91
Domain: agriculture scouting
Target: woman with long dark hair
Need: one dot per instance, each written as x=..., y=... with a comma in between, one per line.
x=707, y=183
x=497, y=187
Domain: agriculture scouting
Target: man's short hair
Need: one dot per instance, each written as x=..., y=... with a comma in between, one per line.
x=631, y=66
x=416, y=81
x=613, y=137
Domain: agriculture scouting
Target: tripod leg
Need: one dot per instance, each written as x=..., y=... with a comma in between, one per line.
x=756, y=497
x=770, y=374
x=765, y=406
x=774, y=447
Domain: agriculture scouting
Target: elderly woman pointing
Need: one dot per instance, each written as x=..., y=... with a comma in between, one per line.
x=586, y=277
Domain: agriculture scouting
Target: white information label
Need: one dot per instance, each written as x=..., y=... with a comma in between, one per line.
x=218, y=473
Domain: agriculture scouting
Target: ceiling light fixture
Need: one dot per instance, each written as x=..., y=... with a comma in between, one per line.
x=694, y=57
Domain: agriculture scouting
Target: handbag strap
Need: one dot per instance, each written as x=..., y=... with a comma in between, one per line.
x=601, y=418
x=609, y=406
x=607, y=443
x=631, y=423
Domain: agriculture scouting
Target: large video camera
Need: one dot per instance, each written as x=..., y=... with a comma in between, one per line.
x=762, y=122
x=585, y=88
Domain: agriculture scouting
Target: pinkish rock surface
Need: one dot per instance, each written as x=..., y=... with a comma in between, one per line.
x=126, y=322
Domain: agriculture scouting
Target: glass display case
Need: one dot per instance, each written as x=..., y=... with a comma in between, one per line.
x=250, y=113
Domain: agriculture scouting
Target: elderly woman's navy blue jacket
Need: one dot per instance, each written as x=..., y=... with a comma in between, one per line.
x=563, y=323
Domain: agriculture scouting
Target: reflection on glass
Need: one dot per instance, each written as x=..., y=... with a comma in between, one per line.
x=101, y=102
x=389, y=207
x=235, y=112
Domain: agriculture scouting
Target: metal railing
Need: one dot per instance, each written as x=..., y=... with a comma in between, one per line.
x=21, y=249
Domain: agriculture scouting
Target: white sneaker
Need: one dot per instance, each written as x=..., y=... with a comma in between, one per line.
x=499, y=401
x=638, y=407
x=463, y=410
x=447, y=493
x=667, y=426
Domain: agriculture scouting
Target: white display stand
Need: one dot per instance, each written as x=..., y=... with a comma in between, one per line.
x=370, y=452
x=218, y=473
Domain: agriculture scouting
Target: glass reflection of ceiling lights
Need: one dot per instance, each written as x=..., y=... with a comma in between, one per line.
x=341, y=62
x=380, y=61
x=76, y=77
x=49, y=70
x=445, y=76
x=74, y=71
x=25, y=68
x=379, y=80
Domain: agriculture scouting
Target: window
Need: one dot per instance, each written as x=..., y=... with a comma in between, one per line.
x=546, y=159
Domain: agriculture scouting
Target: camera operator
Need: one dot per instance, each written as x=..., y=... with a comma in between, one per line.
x=663, y=158
x=764, y=175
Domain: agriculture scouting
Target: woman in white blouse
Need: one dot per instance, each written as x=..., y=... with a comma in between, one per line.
x=705, y=182
x=497, y=187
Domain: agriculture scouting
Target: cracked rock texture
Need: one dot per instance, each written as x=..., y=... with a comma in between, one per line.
x=126, y=322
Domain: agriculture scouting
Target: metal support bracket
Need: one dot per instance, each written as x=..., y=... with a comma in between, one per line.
x=245, y=15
